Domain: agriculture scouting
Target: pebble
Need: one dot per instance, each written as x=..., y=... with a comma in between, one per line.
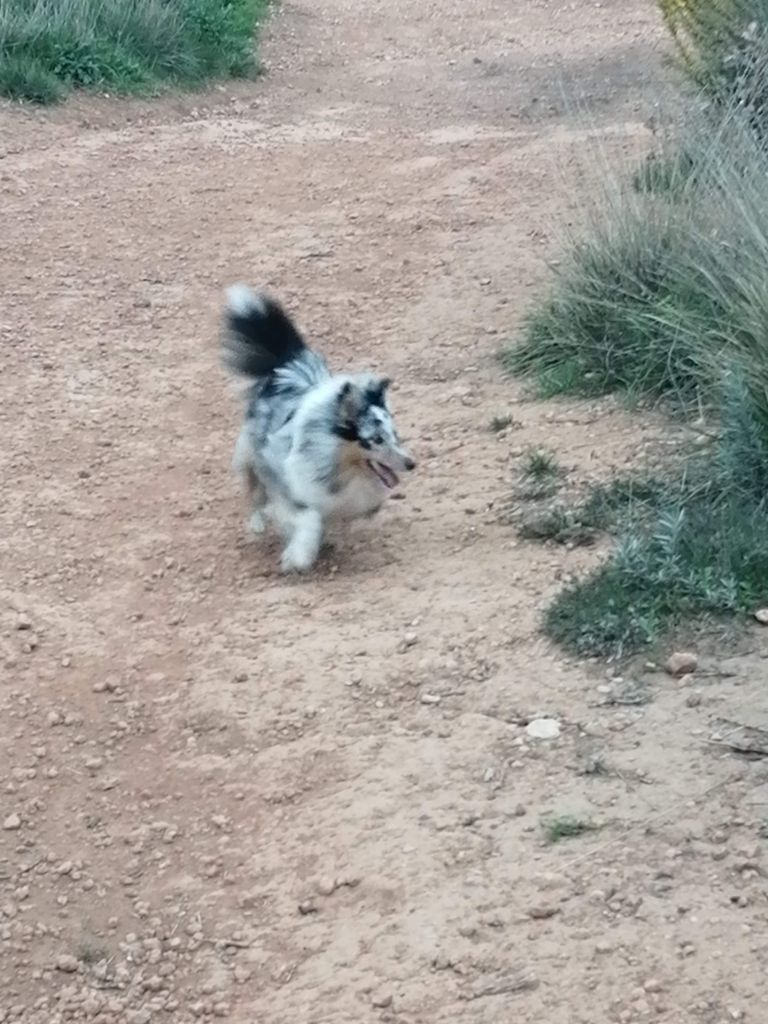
x=541, y=911
x=430, y=698
x=12, y=823
x=681, y=663
x=381, y=1000
x=67, y=963
x=543, y=729
x=761, y=616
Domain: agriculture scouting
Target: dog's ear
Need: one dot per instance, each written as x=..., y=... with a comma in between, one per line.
x=384, y=383
x=349, y=401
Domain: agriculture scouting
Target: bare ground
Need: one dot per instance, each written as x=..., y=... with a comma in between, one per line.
x=229, y=795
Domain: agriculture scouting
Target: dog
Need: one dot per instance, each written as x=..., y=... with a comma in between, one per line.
x=315, y=448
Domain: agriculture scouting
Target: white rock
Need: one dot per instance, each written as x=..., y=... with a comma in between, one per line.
x=543, y=729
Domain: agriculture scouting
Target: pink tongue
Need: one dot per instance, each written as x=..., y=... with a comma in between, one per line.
x=385, y=474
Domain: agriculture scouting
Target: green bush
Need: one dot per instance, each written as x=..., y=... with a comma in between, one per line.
x=722, y=45
x=668, y=297
x=50, y=46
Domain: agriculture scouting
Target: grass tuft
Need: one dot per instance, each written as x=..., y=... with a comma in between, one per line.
x=666, y=298
x=566, y=826
x=48, y=47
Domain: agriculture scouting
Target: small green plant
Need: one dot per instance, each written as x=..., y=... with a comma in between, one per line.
x=540, y=465
x=90, y=952
x=566, y=826
x=500, y=423
x=596, y=766
x=48, y=47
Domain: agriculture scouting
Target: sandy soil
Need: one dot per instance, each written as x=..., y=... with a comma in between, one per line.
x=228, y=795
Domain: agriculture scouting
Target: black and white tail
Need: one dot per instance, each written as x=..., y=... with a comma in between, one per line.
x=259, y=336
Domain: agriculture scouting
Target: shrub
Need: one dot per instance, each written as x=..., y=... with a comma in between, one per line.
x=722, y=45
x=50, y=46
x=669, y=298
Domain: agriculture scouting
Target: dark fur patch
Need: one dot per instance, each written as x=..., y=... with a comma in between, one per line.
x=260, y=339
x=375, y=395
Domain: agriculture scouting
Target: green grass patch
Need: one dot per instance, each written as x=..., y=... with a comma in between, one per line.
x=49, y=47
x=665, y=298
x=566, y=826
x=540, y=465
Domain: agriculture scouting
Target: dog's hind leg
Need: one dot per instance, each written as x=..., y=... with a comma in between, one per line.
x=255, y=491
x=257, y=500
x=303, y=547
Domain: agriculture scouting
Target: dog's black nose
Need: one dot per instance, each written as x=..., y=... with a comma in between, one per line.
x=410, y=464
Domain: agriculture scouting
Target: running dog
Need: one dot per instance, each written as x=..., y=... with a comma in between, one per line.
x=315, y=447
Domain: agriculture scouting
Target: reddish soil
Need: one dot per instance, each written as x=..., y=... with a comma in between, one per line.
x=230, y=795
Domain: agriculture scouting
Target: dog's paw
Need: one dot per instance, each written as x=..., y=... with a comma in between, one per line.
x=294, y=560
x=257, y=523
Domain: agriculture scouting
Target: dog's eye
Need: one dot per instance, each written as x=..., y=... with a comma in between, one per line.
x=377, y=439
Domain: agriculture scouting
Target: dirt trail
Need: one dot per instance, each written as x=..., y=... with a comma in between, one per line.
x=229, y=795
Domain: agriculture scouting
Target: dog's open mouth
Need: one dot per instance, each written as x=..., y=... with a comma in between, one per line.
x=385, y=474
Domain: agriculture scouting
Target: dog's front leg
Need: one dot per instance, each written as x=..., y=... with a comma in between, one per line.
x=304, y=545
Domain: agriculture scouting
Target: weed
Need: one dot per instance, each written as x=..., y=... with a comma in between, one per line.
x=540, y=465
x=566, y=826
x=48, y=47
x=595, y=765
x=500, y=423
x=665, y=173
x=89, y=952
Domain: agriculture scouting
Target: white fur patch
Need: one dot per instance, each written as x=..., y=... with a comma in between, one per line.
x=242, y=301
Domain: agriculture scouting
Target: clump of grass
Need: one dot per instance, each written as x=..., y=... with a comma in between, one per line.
x=596, y=766
x=48, y=47
x=540, y=465
x=626, y=309
x=90, y=952
x=667, y=173
x=501, y=422
x=674, y=305
x=566, y=826
x=601, y=510
x=722, y=47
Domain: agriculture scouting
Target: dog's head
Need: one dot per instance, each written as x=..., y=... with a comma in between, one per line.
x=363, y=418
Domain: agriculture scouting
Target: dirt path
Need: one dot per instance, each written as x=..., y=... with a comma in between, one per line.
x=228, y=795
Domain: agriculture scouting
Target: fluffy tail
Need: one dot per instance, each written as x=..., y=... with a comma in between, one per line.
x=259, y=336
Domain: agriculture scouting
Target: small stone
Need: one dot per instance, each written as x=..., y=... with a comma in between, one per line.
x=681, y=663
x=761, y=616
x=693, y=700
x=543, y=729
x=54, y=718
x=67, y=963
x=23, y=622
x=12, y=823
x=430, y=698
x=653, y=985
x=381, y=1000
x=242, y=974
x=326, y=886
x=307, y=907
x=541, y=911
